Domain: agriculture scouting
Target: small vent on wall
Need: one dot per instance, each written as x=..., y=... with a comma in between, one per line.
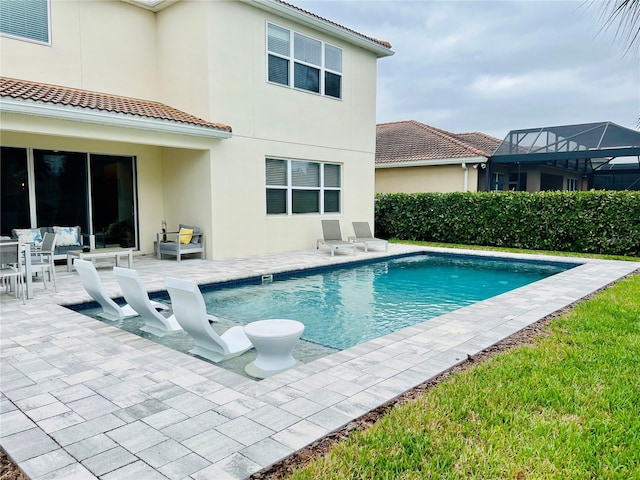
x=268, y=278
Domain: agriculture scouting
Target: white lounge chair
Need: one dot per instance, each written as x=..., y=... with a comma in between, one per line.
x=93, y=285
x=332, y=237
x=136, y=296
x=191, y=313
x=364, y=236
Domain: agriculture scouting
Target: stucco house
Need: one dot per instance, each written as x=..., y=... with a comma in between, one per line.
x=412, y=157
x=250, y=119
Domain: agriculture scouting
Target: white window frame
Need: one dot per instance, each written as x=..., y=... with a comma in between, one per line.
x=572, y=184
x=290, y=188
x=292, y=61
x=33, y=40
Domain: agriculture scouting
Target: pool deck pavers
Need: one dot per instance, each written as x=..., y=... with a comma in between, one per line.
x=82, y=399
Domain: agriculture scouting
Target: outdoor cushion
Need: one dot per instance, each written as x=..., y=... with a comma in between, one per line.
x=185, y=235
x=173, y=247
x=28, y=235
x=196, y=238
x=67, y=236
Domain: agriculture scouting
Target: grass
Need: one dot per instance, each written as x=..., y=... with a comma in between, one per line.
x=518, y=250
x=564, y=407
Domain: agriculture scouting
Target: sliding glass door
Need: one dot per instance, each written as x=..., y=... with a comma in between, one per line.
x=112, y=201
x=43, y=188
x=14, y=189
x=61, y=188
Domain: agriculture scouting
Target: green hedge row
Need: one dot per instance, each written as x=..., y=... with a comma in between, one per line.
x=590, y=222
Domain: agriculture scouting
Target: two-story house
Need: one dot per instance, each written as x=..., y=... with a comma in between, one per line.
x=251, y=119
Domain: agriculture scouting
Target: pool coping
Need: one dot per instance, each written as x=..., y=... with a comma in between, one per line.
x=92, y=401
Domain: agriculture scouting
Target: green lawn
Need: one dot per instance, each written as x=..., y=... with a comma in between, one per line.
x=518, y=250
x=564, y=407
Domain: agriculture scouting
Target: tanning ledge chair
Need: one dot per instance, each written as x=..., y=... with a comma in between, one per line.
x=364, y=236
x=191, y=313
x=93, y=285
x=43, y=260
x=187, y=240
x=136, y=296
x=332, y=237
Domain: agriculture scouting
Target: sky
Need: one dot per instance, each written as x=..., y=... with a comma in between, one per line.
x=495, y=66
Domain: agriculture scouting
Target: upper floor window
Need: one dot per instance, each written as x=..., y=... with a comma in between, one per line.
x=25, y=19
x=296, y=186
x=303, y=62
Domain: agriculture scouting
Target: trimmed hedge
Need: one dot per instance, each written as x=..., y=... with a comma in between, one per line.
x=591, y=222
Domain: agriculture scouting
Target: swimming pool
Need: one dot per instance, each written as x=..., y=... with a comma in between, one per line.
x=348, y=305
x=343, y=307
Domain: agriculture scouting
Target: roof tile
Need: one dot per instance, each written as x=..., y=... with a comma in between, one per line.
x=383, y=43
x=65, y=96
x=407, y=141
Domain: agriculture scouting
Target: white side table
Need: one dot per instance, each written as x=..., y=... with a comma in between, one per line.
x=273, y=340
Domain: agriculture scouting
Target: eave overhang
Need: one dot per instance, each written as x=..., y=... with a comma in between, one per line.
x=85, y=115
x=322, y=25
x=430, y=163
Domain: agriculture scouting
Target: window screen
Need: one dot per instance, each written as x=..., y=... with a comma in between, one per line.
x=27, y=19
x=296, y=186
x=302, y=62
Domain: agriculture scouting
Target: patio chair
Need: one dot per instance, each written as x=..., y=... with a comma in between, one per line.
x=332, y=237
x=11, y=268
x=191, y=313
x=364, y=236
x=187, y=240
x=93, y=285
x=136, y=296
x=43, y=260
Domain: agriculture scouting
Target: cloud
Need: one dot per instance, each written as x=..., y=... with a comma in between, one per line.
x=493, y=66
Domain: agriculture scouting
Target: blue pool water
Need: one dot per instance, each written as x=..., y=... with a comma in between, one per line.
x=344, y=307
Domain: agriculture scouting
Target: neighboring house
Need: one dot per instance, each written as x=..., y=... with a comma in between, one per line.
x=412, y=157
x=250, y=119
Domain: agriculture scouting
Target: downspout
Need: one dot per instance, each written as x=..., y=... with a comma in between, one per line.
x=466, y=177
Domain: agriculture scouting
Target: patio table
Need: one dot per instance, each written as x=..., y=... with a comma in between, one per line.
x=114, y=253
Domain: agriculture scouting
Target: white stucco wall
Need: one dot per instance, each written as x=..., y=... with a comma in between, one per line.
x=104, y=46
x=435, y=178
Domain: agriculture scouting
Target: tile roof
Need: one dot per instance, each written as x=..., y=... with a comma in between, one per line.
x=407, y=141
x=73, y=97
x=481, y=141
x=311, y=14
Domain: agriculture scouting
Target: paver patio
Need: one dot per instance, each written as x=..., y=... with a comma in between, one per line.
x=82, y=399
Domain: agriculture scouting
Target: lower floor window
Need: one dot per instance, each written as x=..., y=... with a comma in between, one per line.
x=572, y=184
x=498, y=182
x=296, y=186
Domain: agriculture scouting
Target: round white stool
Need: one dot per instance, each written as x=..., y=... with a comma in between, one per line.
x=273, y=340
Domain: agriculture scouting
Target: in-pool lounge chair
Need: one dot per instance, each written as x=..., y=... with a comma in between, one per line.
x=364, y=236
x=93, y=285
x=332, y=237
x=136, y=296
x=191, y=313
